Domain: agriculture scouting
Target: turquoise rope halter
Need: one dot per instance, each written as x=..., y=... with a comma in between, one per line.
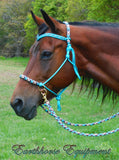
x=69, y=50
x=62, y=122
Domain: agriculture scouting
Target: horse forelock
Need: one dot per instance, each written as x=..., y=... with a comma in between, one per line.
x=42, y=29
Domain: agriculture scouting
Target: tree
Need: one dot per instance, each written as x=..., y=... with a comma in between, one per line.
x=105, y=11
x=99, y=10
x=77, y=10
x=13, y=19
x=2, y=30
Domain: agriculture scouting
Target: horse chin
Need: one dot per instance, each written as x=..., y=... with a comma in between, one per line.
x=32, y=113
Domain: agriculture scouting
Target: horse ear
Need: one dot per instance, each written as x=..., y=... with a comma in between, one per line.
x=52, y=23
x=37, y=20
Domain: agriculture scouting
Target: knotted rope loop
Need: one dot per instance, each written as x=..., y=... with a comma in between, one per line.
x=58, y=98
x=41, y=84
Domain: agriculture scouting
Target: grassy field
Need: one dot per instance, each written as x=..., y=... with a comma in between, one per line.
x=44, y=134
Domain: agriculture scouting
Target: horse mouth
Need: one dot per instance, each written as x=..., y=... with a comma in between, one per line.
x=32, y=113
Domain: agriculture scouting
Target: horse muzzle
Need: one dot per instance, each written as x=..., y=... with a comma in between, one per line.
x=22, y=110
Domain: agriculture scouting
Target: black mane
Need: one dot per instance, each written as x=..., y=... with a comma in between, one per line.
x=94, y=24
x=93, y=85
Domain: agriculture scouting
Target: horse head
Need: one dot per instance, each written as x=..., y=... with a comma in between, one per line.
x=46, y=55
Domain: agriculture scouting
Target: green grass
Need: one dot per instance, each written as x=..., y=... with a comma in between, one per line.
x=43, y=131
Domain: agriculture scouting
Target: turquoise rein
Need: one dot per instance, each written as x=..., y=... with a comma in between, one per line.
x=69, y=50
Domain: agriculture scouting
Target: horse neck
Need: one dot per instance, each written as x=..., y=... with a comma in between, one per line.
x=94, y=50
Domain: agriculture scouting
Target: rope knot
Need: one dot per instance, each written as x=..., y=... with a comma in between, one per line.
x=69, y=47
x=41, y=84
x=58, y=98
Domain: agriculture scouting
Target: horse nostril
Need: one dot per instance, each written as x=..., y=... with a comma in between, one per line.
x=17, y=105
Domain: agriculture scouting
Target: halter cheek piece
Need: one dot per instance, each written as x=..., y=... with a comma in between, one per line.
x=69, y=50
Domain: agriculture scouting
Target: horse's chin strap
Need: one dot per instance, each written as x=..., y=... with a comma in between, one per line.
x=69, y=50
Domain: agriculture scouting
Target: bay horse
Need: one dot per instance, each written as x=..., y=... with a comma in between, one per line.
x=96, y=47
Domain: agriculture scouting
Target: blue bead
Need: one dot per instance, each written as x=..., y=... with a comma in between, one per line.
x=31, y=81
x=25, y=78
x=40, y=84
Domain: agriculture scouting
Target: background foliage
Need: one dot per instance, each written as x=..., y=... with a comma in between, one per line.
x=13, y=16
x=18, y=30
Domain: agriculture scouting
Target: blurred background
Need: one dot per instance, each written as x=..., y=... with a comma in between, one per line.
x=18, y=30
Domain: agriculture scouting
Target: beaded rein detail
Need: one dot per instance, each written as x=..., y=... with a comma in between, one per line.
x=62, y=122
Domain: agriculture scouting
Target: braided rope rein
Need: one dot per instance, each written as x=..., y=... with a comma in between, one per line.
x=62, y=123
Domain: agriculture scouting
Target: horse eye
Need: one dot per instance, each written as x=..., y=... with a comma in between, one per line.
x=45, y=55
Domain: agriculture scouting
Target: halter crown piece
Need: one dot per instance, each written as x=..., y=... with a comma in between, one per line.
x=69, y=50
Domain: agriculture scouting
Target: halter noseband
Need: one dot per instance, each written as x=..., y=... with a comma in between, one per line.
x=69, y=50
